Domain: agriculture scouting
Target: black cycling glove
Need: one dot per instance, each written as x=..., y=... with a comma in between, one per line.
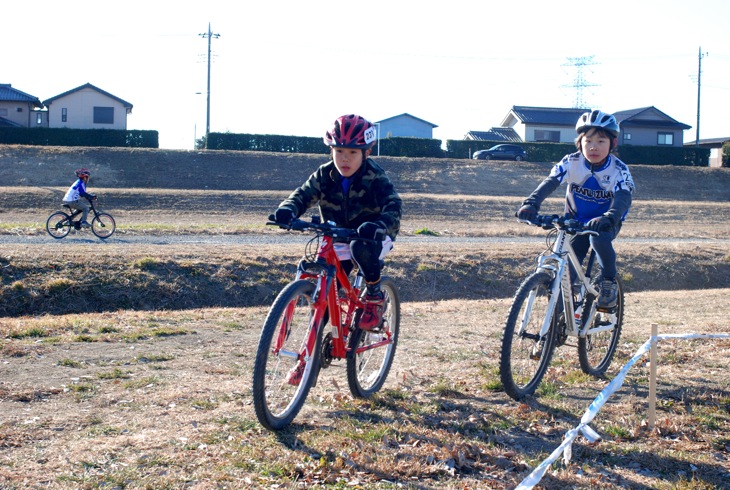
x=527, y=212
x=372, y=230
x=284, y=216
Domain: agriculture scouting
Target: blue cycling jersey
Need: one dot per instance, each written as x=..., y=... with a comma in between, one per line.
x=590, y=191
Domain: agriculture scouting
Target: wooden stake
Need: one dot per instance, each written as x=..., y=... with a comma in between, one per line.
x=652, y=375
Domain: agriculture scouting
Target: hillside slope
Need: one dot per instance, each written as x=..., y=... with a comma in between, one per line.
x=235, y=170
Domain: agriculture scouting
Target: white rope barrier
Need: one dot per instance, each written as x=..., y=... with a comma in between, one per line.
x=592, y=436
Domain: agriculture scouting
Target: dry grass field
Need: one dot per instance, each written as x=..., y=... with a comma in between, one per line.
x=127, y=364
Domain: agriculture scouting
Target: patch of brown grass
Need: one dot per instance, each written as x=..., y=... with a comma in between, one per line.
x=175, y=410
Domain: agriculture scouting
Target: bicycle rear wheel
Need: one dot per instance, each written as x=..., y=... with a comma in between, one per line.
x=371, y=352
x=596, y=351
x=525, y=355
x=58, y=225
x=283, y=369
x=103, y=225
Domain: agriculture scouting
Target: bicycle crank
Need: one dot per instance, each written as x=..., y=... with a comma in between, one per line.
x=325, y=359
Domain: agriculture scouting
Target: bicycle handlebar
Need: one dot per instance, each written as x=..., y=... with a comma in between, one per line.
x=565, y=222
x=327, y=229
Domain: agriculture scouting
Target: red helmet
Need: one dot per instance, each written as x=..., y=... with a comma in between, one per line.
x=83, y=172
x=351, y=131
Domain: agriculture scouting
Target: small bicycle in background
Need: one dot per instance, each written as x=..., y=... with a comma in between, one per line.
x=295, y=343
x=60, y=223
x=548, y=308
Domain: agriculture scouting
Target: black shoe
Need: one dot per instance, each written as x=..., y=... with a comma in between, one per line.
x=608, y=295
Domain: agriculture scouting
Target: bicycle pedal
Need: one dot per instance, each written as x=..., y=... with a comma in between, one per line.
x=607, y=310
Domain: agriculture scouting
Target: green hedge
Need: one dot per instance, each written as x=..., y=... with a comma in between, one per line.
x=657, y=155
x=399, y=146
x=466, y=148
x=536, y=152
x=726, y=154
x=396, y=147
x=80, y=137
x=553, y=152
x=266, y=142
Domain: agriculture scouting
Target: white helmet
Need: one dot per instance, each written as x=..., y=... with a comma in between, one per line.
x=597, y=119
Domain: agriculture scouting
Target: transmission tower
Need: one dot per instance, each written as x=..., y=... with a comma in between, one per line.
x=580, y=83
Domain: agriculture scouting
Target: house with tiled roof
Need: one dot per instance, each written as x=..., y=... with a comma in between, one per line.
x=87, y=107
x=646, y=126
x=18, y=109
x=495, y=134
x=715, y=146
x=543, y=124
x=405, y=125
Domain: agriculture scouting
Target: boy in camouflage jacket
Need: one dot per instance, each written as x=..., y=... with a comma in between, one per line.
x=354, y=192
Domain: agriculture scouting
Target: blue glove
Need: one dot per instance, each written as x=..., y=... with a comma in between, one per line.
x=284, y=216
x=599, y=224
x=372, y=230
x=527, y=212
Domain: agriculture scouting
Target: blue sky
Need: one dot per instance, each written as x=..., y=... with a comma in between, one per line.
x=292, y=67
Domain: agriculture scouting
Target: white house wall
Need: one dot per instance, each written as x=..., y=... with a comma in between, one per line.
x=405, y=127
x=521, y=130
x=566, y=135
x=18, y=112
x=80, y=111
x=649, y=136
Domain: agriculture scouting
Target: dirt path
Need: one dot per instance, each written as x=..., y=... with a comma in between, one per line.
x=161, y=398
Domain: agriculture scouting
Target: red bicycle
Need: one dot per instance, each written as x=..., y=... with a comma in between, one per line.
x=294, y=347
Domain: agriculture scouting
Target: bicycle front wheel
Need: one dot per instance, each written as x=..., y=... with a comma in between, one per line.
x=103, y=225
x=371, y=353
x=596, y=350
x=285, y=368
x=58, y=225
x=525, y=354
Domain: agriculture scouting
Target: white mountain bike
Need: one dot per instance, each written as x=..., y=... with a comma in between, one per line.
x=548, y=308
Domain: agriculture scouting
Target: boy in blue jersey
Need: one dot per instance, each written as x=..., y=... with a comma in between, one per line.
x=598, y=194
x=73, y=196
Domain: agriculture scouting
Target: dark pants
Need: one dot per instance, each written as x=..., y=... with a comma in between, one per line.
x=82, y=206
x=367, y=256
x=603, y=245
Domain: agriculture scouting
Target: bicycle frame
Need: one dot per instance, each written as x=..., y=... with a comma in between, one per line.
x=342, y=302
x=76, y=212
x=556, y=263
x=296, y=342
x=549, y=307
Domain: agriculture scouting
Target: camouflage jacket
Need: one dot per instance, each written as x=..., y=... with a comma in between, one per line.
x=371, y=197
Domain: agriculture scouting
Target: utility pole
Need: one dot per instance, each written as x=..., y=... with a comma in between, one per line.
x=699, y=86
x=209, y=35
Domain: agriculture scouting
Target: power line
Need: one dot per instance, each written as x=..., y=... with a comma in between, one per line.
x=208, y=35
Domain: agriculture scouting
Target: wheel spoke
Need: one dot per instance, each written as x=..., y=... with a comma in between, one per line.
x=373, y=352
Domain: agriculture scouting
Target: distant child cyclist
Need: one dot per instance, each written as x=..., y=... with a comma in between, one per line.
x=598, y=194
x=73, y=196
x=354, y=192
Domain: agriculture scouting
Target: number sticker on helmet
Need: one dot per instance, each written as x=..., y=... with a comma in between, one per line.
x=370, y=135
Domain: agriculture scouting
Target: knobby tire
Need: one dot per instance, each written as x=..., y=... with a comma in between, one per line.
x=103, y=225
x=368, y=370
x=523, y=359
x=596, y=351
x=276, y=401
x=58, y=225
